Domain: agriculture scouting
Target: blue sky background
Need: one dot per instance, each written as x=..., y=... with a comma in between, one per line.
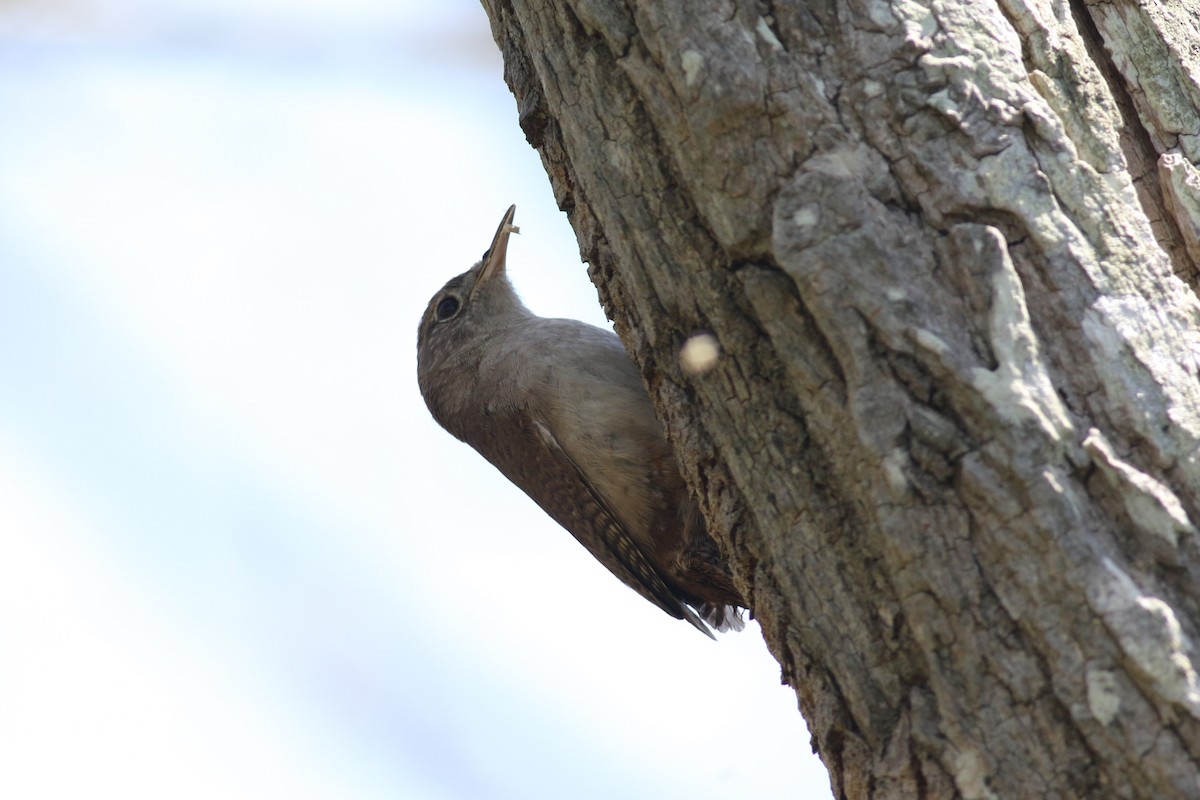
x=237, y=557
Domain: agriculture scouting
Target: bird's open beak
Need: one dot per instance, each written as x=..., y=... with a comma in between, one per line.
x=493, y=259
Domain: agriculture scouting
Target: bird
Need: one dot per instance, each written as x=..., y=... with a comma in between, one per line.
x=559, y=408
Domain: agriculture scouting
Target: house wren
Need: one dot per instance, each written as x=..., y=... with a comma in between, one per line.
x=559, y=408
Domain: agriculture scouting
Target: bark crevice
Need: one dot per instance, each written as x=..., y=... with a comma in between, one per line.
x=1140, y=152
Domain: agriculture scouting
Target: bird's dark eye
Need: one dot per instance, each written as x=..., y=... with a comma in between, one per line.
x=447, y=308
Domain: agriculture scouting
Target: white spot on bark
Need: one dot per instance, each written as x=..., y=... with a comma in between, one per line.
x=941, y=66
x=888, y=615
x=764, y=30
x=807, y=216
x=699, y=354
x=1102, y=696
x=970, y=775
x=893, y=471
x=692, y=62
x=931, y=342
x=1151, y=505
x=872, y=88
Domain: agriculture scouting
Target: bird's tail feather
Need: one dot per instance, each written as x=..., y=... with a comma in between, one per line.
x=723, y=618
x=692, y=617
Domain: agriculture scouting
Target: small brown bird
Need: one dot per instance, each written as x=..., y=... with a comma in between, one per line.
x=559, y=408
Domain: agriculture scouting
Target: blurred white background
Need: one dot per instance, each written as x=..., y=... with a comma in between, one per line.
x=237, y=557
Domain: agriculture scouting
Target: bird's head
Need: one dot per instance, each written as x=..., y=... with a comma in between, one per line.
x=466, y=313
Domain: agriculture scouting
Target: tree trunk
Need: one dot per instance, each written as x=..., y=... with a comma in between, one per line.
x=950, y=445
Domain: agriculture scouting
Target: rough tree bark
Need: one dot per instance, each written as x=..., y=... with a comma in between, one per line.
x=951, y=443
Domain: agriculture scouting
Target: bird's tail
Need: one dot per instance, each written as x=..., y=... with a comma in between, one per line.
x=691, y=617
x=723, y=618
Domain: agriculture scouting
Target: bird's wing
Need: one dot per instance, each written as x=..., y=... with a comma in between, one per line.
x=535, y=462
